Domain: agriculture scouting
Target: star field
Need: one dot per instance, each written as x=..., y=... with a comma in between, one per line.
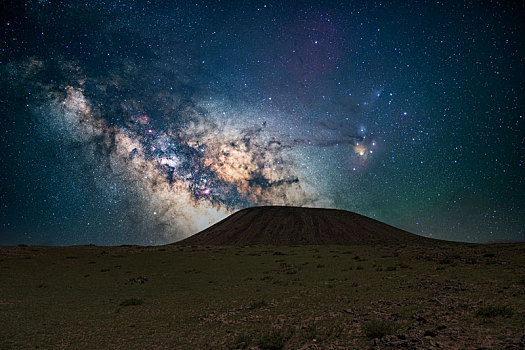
x=145, y=122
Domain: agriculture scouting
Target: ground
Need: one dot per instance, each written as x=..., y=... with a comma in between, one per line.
x=428, y=295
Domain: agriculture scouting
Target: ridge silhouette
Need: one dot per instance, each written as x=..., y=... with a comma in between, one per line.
x=282, y=225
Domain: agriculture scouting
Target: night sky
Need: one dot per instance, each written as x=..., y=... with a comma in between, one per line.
x=138, y=122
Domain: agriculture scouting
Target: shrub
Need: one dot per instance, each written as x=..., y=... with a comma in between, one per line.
x=378, y=329
x=258, y=304
x=310, y=331
x=446, y=261
x=132, y=302
x=242, y=341
x=274, y=340
x=494, y=311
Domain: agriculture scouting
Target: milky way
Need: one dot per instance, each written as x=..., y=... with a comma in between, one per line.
x=133, y=122
x=194, y=163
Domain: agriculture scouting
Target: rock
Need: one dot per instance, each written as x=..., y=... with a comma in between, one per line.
x=419, y=318
x=437, y=301
x=430, y=333
x=139, y=280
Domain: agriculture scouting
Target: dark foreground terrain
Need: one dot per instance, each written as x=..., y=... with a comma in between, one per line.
x=421, y=295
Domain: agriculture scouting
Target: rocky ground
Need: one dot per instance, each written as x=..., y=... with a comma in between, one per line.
x=416, y=296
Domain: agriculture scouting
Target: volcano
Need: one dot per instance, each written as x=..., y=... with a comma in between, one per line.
x=279, y=225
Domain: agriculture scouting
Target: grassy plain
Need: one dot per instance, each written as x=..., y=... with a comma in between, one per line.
x=428, y=295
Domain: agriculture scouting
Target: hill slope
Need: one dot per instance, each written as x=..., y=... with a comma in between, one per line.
x=276, y=225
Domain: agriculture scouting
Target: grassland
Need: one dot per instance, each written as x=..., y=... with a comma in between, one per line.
x=439, y=295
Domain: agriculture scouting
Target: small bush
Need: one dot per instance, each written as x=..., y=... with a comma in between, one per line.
x=258, y=304
x=378, y=329
x=132, y=302
x=310, y=331
x=494, y=311
x=274, y=340
x=446, y=261
x=242, y=341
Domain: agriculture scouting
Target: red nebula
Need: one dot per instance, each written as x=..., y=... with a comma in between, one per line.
x=143, y=119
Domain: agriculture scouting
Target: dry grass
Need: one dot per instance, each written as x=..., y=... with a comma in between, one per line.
x=217, y=297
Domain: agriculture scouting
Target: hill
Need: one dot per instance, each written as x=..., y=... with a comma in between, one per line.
x=277, y=225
